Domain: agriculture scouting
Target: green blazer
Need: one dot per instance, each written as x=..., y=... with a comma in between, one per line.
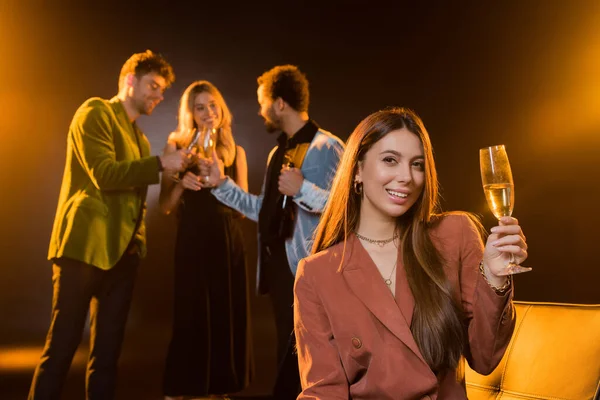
x=101, y=205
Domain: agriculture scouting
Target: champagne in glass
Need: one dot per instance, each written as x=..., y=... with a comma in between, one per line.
x=499, y=189
x=206, y=146
x=208, y=142
x=500, y=198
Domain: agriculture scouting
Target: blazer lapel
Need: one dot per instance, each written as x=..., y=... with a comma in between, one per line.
x=133, y=136
x=404, y=296
x=361, y=274
x=141, y=141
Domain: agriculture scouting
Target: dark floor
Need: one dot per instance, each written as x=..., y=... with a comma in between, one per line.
x=15, y=386
x=25, y=317
x=140, y=369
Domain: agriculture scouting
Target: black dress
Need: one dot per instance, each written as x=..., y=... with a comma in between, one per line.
x=210, y=350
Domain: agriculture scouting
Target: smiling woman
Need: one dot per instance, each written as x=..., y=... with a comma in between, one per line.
x=392, y=175
x=203, y=105
x=210, y=351
x=381, y=234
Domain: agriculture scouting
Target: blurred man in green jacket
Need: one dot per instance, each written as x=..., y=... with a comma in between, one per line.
x=99, y=233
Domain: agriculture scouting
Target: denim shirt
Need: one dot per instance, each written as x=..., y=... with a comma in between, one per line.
x=319, y=168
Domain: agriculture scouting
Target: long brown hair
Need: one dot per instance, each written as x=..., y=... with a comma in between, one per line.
x=437, y=319
x=183, y=136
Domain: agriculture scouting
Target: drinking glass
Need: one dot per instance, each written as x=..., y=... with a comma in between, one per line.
x=499, y=189
x=207, y=142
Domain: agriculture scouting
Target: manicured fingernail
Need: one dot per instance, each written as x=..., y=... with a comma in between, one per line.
x=494, y=229
x=495, y=243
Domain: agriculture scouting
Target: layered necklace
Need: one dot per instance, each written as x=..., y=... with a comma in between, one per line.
x=378, y=242
x=381, y=243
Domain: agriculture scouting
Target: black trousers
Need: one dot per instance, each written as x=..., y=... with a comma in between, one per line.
x=79, y=287
x=281, y=292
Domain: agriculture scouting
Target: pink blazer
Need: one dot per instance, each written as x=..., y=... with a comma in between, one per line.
x=353, y=336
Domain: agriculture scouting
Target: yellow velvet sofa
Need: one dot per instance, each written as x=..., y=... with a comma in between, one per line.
x=554, y=354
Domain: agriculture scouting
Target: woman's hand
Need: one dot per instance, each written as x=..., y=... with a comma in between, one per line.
x=505, y=240
x=191, y=181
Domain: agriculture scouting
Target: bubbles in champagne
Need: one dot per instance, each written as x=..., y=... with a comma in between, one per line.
x=500, y=198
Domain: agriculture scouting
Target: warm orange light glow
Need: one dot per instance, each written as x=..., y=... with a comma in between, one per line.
x=569, y=113
x=26, y=358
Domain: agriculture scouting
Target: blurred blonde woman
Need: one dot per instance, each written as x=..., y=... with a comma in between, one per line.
x=210, y=350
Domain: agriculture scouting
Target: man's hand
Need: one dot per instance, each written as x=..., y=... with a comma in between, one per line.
x=174, y=160
x=212, y=171
x=290, y=181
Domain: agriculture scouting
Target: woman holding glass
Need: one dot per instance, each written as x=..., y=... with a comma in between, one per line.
x=210, y=349
x=396, y=294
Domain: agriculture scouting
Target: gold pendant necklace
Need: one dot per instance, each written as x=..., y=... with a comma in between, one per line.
x=388, y=281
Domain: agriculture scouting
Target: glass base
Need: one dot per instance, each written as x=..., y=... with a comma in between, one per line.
x=513, y=268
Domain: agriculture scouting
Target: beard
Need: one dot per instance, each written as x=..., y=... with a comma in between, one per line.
x=271, y=126
x=145, y=107
x=272, y=123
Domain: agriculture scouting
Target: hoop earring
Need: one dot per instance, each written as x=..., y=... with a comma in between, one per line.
x=357, y=187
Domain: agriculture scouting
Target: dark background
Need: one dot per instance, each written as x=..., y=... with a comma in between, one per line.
x=522, y=73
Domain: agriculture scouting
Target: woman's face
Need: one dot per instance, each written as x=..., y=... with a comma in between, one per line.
x=392, y=174
x=206, y=111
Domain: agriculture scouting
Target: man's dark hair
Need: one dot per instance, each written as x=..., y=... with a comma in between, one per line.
x=144, y=63
x=287, y=82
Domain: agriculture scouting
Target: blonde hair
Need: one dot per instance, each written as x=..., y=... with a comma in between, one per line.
x=186, y=124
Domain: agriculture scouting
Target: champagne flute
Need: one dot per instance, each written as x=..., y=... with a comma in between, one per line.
x=207, y=145
x=208, y=142
x=195, y=135
x=499, y=189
